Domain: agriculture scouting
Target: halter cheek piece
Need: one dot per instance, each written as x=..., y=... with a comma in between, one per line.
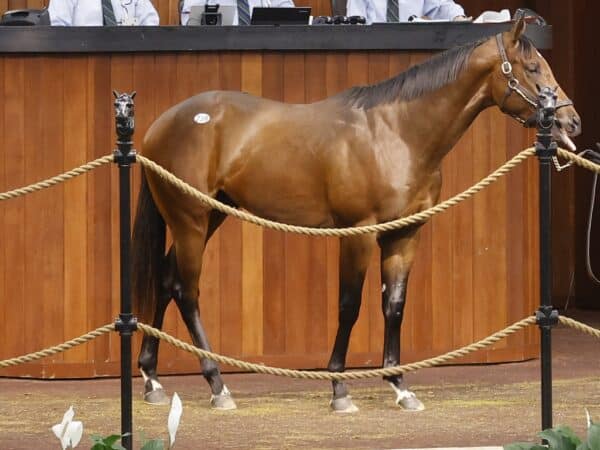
x=515, y=86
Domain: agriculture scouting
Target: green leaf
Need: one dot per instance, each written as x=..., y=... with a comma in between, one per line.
x=107, y=442
x=560, y=438
x=569, y=434
x=524, y=446
x=593, y=439
x=154, y=444
x=99, y=446
x=96, y=438
x=110, y=440
x=583, y=446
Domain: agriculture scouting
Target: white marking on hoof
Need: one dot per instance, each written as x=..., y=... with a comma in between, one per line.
x=407, y=399
x=343, y=405
x=201, y=118
x=155, y=384
x=223, y=401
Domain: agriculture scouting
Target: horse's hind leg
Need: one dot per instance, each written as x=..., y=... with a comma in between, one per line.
x=189, y=247
x=355, y=253
x=397, y=253
x=147, y=362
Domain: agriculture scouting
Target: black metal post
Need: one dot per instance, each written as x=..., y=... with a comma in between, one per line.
x=125, y=324
x=546, y=316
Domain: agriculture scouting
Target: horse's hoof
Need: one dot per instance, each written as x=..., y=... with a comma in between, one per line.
x=410, y=403
x=222, y=401
x=343, y=405
x=156, y=397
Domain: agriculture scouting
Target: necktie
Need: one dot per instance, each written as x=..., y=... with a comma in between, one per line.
x=243, y=12
x=108, y=14
x=392, y=11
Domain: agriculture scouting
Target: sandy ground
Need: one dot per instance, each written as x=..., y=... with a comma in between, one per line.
x=475, y=405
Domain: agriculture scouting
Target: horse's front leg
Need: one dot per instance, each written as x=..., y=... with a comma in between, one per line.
x=397, y=254
x=355, y=253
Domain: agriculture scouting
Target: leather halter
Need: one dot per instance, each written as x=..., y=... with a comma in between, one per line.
x=514, y=86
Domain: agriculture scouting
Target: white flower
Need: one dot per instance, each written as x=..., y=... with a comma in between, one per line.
x=68, y=431
x=588, y=418
x=174, y=416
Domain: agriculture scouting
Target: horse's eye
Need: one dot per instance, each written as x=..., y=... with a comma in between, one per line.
x=533, y=67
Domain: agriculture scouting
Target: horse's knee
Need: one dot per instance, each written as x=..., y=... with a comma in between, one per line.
x=394, y=304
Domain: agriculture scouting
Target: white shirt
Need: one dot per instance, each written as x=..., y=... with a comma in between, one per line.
x=376, y=10
x=187, y=5
x=89, y=12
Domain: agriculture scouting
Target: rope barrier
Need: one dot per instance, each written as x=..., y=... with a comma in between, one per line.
x=353, y=375
x=58, y=348
x=304, y=374
x=44, y=184
x=585, y=163
x=338, y=232
x=579, y=326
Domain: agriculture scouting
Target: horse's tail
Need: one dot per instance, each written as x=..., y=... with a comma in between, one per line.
x=148, y=250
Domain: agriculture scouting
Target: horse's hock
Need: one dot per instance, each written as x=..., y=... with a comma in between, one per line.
x=265, y=296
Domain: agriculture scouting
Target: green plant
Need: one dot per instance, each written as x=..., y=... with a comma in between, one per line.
x=112, y=443
x=69, y=432
x=563, y=438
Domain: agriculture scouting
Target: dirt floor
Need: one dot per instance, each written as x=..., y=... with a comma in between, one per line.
x=466, y=406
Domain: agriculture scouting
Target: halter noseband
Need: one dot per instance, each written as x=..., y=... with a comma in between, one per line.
x=515, y=86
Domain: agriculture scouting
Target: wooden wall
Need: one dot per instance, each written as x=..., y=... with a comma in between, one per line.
x=265, y=296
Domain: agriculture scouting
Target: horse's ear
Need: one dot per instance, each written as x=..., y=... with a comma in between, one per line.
x=518, y=29
x=115, y=93
x=133, y=95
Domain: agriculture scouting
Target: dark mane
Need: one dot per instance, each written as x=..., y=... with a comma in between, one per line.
x=420, y=79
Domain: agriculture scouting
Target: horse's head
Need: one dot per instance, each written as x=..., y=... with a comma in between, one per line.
x=124, y=113
x=520, y=74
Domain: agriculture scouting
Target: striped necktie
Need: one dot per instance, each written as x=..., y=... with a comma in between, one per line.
x=108, y=14
x=243, y=12
x=392, y=11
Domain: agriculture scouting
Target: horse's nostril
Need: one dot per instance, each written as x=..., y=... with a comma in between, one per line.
x=576, y=121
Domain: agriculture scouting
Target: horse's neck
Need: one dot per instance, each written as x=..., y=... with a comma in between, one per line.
x=432, y=124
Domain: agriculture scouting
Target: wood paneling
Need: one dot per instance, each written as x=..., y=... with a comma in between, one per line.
x=265, y=296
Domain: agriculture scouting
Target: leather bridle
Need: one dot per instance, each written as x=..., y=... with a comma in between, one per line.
x=514, y=86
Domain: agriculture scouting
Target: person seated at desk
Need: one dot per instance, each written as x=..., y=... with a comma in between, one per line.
x=244, y=8
x=102, y=12
x=402, y=10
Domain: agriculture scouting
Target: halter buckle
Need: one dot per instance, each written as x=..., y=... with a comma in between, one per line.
x=506, y=68
x=513, y=83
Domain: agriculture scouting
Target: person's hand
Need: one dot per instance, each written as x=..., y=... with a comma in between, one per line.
x=462, y=19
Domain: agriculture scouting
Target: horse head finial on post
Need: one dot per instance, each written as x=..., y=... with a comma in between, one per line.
x=124, y=115
x=126, y=323
x=546, y=315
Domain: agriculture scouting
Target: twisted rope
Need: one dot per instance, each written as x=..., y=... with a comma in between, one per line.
x=316, y=375
x=354, y=375
x=579, y=326
x=585, y=163
x=58, y=348
x=57, y=179
x=339, y=232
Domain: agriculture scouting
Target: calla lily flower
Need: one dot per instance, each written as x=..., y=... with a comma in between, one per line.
x=588, y=418
x=69, y=431
x=174, y=416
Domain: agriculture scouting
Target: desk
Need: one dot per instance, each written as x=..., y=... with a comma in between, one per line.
x=265, y=296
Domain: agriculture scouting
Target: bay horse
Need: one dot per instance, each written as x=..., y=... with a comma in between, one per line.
x=367, y=155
